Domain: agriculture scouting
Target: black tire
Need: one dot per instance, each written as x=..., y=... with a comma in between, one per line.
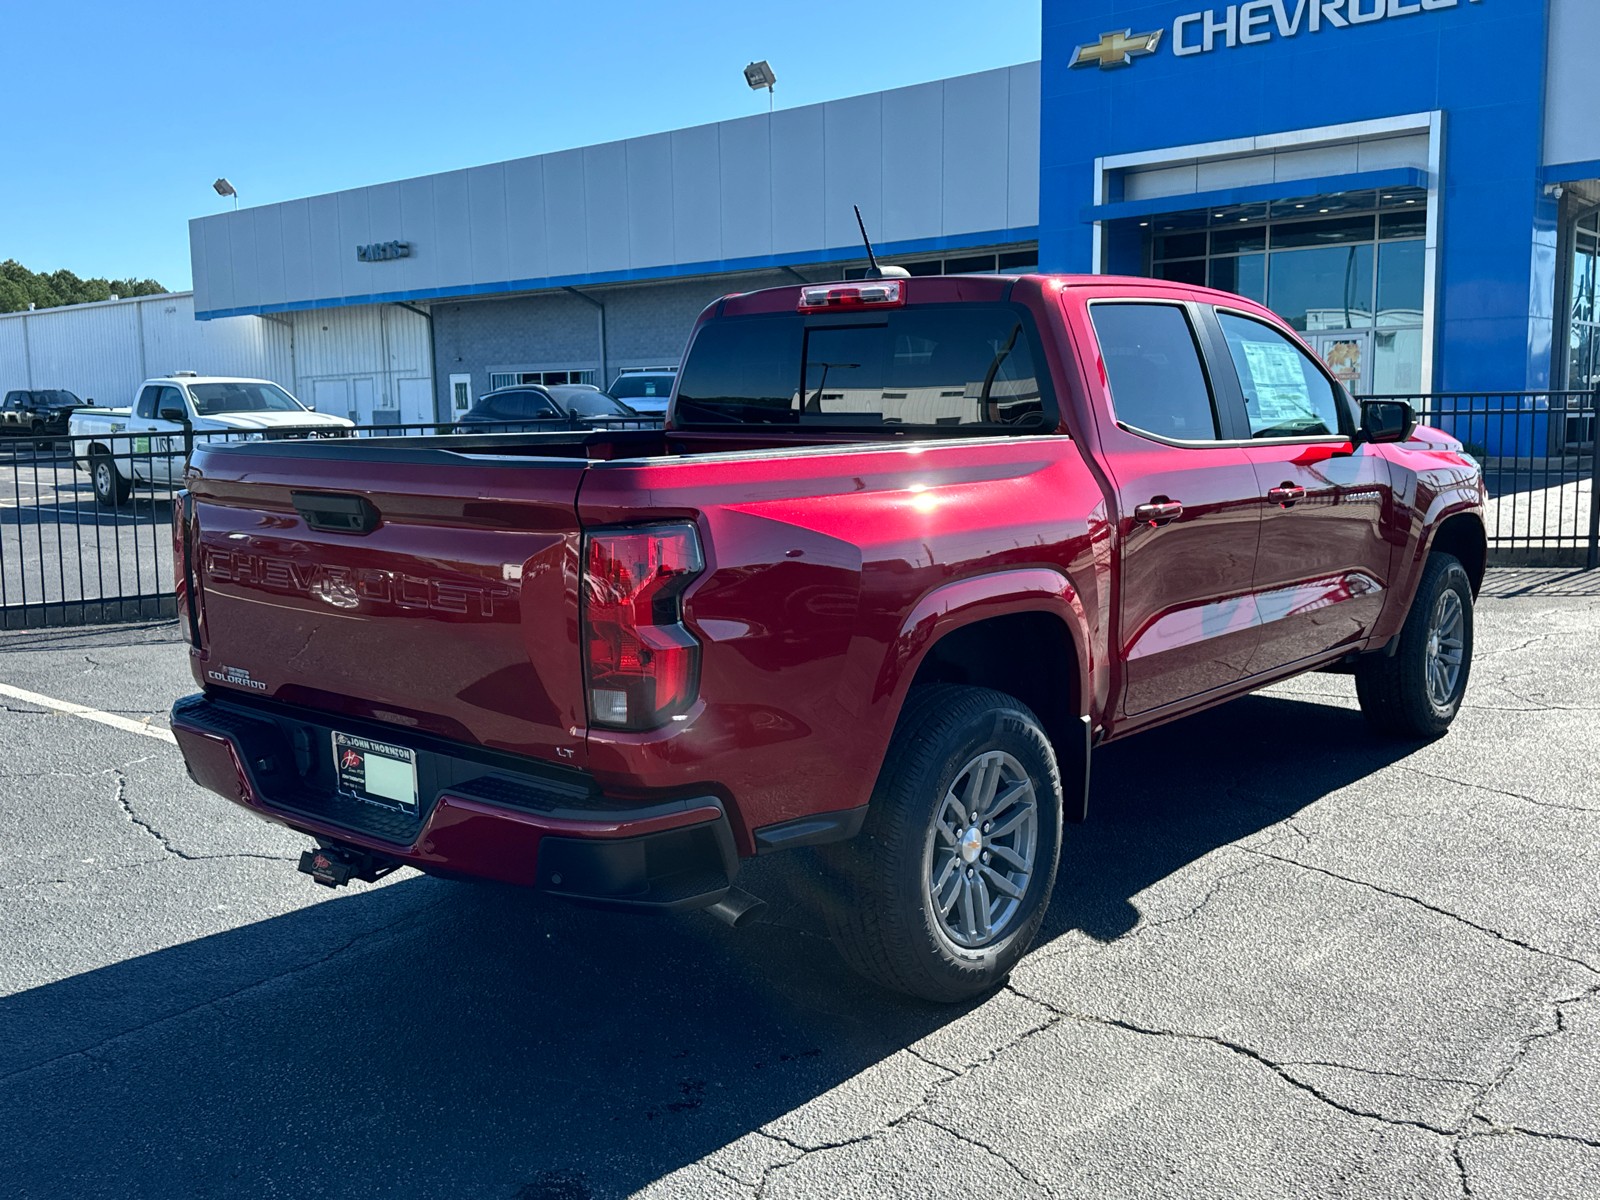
x=882, y=914
x=1398, y=694
x=111, y=490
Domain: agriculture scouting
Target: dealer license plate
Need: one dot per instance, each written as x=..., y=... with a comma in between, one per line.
x=376, y=771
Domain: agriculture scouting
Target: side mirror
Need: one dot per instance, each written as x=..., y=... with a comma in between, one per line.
x=174, y=414
x=1387, y=421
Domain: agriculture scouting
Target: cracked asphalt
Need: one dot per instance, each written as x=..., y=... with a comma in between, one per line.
x=1285, y=958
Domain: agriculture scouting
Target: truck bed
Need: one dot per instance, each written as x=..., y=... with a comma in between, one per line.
x=456, y=615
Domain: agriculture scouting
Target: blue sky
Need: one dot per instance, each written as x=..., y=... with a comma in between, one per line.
x=119, y=116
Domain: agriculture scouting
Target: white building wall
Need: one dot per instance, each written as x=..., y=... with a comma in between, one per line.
x=106, y=350
x=953, y=159
x=370, y=362
x=1571, y=132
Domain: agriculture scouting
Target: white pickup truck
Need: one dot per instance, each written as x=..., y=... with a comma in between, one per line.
x=144, y=443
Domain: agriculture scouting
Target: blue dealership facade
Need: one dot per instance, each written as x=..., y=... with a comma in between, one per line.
x=1410, y=182
x=1413, y=184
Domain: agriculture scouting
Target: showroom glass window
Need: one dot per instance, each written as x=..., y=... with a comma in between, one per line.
x=1583, y=330
x=1351, y=263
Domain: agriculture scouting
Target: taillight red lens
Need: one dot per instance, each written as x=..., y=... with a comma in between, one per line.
x=641, y=665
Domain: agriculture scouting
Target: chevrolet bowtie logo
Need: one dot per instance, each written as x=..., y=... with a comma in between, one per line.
x=1115, y=49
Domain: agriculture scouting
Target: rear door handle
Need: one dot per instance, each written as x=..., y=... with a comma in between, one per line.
x=1286, y=494
x=1158, y=512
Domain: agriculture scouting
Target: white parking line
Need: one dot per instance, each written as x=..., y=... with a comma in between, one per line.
x=89, y=714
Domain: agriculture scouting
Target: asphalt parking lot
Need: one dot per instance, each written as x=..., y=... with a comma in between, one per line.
x=1284, y=959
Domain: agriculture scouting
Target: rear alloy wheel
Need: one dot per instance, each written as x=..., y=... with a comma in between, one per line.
x=110, y=489
x=981, y=849
x=945, y=888
x=1417, y=691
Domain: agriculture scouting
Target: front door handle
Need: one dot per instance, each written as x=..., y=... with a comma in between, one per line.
x=1286, y=494
x=1159, y=511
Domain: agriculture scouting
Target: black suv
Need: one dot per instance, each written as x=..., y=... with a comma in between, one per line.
x=529, y=408
x=39, y=413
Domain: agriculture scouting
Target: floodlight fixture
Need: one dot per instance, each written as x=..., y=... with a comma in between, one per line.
x=223, y=188
x=760, y=75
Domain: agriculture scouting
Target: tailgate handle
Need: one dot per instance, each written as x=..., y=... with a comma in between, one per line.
x=330, y=512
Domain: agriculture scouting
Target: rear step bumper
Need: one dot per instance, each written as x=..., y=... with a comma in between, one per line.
x=485, y=820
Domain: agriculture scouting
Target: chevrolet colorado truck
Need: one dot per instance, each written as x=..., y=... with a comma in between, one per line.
x=904, y=553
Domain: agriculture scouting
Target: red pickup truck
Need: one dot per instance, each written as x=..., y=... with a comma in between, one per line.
x=905, y=551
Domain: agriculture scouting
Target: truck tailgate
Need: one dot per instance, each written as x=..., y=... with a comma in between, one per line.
x=454, y=614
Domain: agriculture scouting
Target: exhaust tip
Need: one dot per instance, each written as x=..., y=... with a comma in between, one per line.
x=738, y=908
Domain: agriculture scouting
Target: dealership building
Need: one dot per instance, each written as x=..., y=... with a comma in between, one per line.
x=1414, y=184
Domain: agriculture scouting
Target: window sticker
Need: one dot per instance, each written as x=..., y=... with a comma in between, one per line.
x=1280, y=383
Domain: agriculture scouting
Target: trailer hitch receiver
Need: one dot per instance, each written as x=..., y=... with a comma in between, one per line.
x=335, y=866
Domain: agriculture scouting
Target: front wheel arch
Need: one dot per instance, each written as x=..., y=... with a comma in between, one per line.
x=1462, y=535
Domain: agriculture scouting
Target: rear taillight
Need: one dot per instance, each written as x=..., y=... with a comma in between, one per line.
x=641, y=665
x=877, y=294
x=188, y=591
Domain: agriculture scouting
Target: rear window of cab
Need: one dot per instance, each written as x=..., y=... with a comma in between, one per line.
x=973, y=366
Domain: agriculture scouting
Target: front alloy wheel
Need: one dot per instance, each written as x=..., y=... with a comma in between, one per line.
x=1446, y=649
x=1417, y=690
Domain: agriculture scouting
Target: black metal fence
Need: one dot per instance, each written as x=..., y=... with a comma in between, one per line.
x=86, y=537
x=86, y=528
x=1537, y=450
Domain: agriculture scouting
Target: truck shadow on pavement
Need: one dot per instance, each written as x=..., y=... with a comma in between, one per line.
x=430, y=1038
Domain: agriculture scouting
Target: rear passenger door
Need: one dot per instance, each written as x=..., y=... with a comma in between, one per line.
x=1188, y=512
x=1328, y=525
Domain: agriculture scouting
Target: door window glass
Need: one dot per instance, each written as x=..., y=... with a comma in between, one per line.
x=1285, y=394
x=149, y=404
x=171, y=397
x=1153, y=369
x=522, y=406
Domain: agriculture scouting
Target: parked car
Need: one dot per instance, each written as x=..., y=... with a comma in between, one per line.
x=534, y=407
x=906, y=552
x=646, y=392
x=145, y=442
x=39, y=412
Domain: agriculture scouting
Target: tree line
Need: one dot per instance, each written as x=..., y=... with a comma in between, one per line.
x=20, y=287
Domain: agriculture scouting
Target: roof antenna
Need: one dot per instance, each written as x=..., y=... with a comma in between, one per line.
x=874, y=271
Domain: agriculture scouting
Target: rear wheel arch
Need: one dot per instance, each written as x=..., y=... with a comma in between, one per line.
x=1029, y=655
x=1034, y=657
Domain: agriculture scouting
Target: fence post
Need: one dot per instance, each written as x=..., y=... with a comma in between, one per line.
x=1593, y=560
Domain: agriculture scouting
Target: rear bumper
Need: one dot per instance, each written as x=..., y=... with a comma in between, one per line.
x=480, y=814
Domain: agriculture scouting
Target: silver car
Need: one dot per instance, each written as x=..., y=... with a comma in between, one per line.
x=646, y=392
